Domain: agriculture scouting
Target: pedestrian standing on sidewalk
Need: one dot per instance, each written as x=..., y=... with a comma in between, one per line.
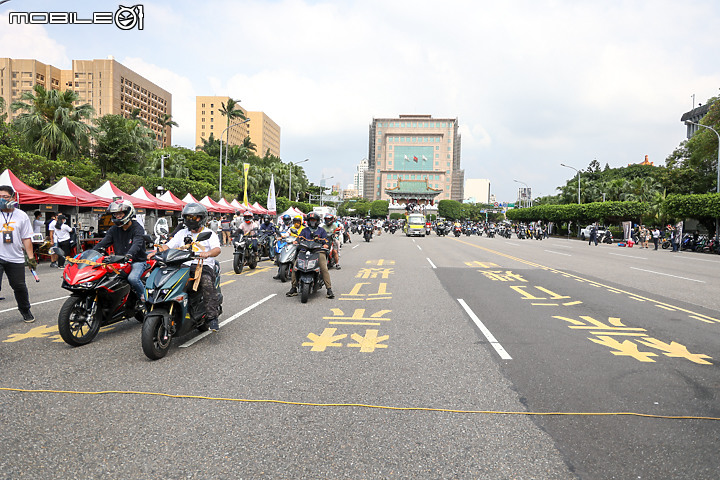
x=593, y=235
x=16, y=233
x=656, y=236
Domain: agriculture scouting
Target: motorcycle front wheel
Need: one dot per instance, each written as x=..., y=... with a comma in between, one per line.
x=77, y=326
x=253, y=261
x=304, y=292
x=155, y=341
x=284, y=272
x=238, y=262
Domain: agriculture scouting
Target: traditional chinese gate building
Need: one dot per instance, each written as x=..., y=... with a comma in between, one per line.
x=413, y=191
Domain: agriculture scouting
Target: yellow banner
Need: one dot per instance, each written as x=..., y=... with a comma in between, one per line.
x=246, y=169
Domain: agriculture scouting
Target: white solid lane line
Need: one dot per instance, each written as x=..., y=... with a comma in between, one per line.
x=431, y=263
x=668, y=275
x=628, y=256
x=559, y=253
x=36, y=303
x=496, y=345
x=225, y=322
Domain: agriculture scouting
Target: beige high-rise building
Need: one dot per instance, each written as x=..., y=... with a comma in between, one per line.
x=261, y=129
x=264, y=133
x=414, y=158
x=209, y=120
x=107, y=85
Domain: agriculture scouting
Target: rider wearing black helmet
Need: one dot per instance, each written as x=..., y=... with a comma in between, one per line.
x=126, y=238
x=314, y=231
x=330, y=226
x=194, y=217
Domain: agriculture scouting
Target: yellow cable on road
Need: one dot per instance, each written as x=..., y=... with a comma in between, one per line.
x=361, y=405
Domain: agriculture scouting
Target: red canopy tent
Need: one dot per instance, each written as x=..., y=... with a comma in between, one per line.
x=67, y=188
x=28, y=195
x=170, y=197
x=259, y=207
x=224, y=203
x=213, y=206
x=159, y=204
x=109, y=190
x=189, y=199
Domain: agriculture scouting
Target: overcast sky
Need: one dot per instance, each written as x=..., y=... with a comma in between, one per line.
x=532, y=83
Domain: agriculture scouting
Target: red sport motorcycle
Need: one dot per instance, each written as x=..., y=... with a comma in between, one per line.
x=100, y=295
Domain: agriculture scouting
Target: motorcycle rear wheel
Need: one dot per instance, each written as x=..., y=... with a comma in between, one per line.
x=284, y=272
x=73, y=324
x=304, y=292
x=154, y=345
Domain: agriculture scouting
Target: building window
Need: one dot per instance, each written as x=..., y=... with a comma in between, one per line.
x=437, y=147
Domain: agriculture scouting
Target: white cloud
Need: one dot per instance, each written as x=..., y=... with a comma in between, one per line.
x=31, y=42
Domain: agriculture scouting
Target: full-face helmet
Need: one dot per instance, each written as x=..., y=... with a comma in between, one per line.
x=329, y=218
x=287, y=219
x=121, y=211
x=194, y=215
x=313, y=220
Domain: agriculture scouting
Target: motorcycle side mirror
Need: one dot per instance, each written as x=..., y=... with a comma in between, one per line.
x=203, y=236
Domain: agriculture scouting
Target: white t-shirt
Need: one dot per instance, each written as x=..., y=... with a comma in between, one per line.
x=18, y=223
x=63, y=233
x=205, y=246
x=39, y=226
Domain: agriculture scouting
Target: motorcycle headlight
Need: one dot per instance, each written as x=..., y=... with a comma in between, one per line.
x=312, y=263
x=149, y=292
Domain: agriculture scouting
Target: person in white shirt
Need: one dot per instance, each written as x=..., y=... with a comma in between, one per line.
x=62, y=240
x=16, y=236
x=38, y=223
x=194, y=216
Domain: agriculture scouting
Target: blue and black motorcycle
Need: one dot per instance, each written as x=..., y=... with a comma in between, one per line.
x=170, y=311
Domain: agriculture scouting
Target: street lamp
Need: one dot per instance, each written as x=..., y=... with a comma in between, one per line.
x=322, y=191
x=578, y=174
x=717, y=187
x=527, y=203
x=290, y=182
x=227, y=140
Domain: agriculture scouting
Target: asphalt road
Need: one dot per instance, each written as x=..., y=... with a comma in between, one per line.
x=573, y=329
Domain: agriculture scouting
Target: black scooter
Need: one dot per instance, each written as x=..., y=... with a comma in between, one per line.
x=307, y=268
x=367, y=232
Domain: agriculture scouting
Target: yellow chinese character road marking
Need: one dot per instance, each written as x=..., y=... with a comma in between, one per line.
x=369, y=342
x=674, y=349
x=358, y=316
x=326, y=339
x=374, y=272
x=626, y=348
x=615, y=325
x=382, y=293
x=481, y=264
x=40, y=331
x=380, y=262
x=499, y=276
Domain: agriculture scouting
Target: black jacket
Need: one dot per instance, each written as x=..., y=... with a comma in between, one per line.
x=126, y=242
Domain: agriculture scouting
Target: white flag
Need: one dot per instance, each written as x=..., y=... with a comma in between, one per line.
x=406, y=158
x=271, y=194
x=424, y=158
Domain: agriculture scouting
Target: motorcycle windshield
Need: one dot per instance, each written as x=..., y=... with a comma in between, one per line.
x=91, y=255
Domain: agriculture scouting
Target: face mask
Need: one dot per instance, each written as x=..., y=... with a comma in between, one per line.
x=6, y=204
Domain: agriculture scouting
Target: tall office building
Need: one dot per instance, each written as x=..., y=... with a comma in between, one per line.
x=107, y=85
x=359, y=177
x=414, y=159
x=264, y=133
x=261, y=129
x=209, y=120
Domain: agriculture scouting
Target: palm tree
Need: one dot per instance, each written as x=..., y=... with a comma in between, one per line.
x=232, y=113
x=165, y=121
x=249, y=145
x=51, y=124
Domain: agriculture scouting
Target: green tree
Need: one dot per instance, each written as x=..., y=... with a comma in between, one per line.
x=232, y=111
x=165, y=121
x=379, y=209
x=121, y=144
x=50, y=124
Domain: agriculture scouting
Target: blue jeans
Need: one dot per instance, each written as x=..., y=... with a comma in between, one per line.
x=134, y=278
